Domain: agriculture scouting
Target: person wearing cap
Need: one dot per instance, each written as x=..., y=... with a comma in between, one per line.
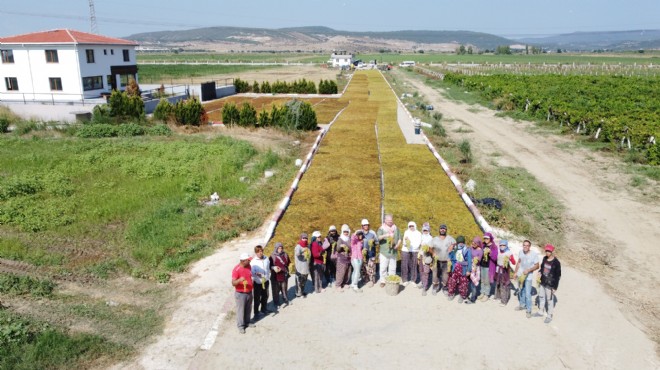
x=528, y=262
x=279, y=264
x=330, y=245
x=488, y=267
x=370, y=242
x=550, y=276
x=241, y=280
x=317, y=259
x=425, y=258
x=461, y=266
x=389, y=241
x=412, y=240
x=357, y=243
x=442, y=245
x=301, y=257
x=503, y=277
x=260, y=266
x=343, y=258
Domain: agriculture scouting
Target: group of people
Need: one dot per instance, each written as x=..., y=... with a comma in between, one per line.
x=349, y=260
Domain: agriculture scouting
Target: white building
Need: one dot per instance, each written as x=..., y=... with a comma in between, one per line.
x=64, y=65
x=341, y=59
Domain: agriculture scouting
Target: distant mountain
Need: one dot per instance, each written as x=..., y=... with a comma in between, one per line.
x=297, y=36
x=611, y=40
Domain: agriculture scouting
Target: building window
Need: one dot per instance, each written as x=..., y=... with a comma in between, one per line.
x=11, y=83
x=55, y=83
x=90, y=55
x=7, y=56
x=51, y=56
x=124, y=80
x=126, y=56
x=105, y=51
x=92, y=83
x=112, y=51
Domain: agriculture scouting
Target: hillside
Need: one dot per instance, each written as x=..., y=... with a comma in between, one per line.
x=316, y=37
x=611, y=40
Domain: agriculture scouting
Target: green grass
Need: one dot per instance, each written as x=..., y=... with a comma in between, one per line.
x=150, y=73
x=135, y=198
x=28, y=344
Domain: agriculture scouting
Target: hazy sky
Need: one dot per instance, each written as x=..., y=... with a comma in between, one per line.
x=501, y=17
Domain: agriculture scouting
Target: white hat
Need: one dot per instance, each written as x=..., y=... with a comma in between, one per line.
x=332, y=227
x=412, y=223
x=244, y=256
x=316, y=234
x=365, y=222
x=345, y=227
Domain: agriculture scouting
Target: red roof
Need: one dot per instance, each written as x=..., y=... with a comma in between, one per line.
x=64, y=36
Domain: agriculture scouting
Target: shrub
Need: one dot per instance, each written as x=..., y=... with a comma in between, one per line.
x=190, y=112
x=653, y=155
x=255, y=87
x=123, y=105
x=263, y=120
x=159, y=130
x=265, y=87
x=247, y=115
x=99, y=130
x=327, y=87
x=4, y=125
x=241, y=86
x=130, y=129
x=466, y=150
x=230, y=114
x=279, y=87
x=164, y=110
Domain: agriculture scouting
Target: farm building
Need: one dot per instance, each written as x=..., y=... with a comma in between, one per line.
x=64, y=65
x=341, y=59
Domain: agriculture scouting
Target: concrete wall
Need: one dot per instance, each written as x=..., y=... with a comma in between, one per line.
x=221, y=92
x=150, y=105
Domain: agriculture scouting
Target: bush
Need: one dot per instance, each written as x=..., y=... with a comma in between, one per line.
x=99, y=130
x=255, y=87
x=130, y=129
x=159, y=130
x=190, y=112
x=123, y=105
x=241, y=86
x=295, y=115
x=327, y=87
x=653, y=155
x=230, y=114
x=265, y=87
x=263, y=120
x=247, y=115
x=4, y=125
x=164, y=110
x=466, y=150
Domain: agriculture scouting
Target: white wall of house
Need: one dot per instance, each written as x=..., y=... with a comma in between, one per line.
x=341, y=60
x=32, y=70
x=104, y=57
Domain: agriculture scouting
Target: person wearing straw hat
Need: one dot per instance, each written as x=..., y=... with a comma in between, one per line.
x=241, y=280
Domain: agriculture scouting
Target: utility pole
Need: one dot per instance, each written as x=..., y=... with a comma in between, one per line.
x=92, y=18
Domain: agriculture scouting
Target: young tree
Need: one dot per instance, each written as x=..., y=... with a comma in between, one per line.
x=230, y=114
x=247, y=115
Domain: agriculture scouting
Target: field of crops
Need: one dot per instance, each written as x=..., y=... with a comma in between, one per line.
x=326, y=108
x=608, y=108
x=343, y=183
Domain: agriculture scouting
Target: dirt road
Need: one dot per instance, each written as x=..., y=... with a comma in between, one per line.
x=611, y=232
